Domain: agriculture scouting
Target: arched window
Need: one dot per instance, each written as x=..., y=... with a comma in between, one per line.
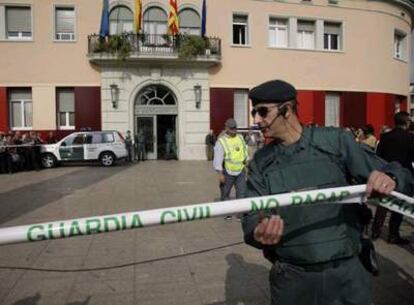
x=120, y=20
x=155, y=21
x=189, y=22
x=154, y=95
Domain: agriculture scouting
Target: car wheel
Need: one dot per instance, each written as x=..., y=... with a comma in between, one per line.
x=48, y=161
x=107, y=159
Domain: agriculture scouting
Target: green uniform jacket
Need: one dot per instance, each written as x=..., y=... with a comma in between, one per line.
x=322, y=158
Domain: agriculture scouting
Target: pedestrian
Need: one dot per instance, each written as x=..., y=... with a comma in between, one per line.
x=51, y=138
x=170, y=152
x=395, y=145
x=252, y=143
x=3, y=154
x=314, y=249
x=231, y=150
x=368, y=137
x=210, y=142
x=128, y=145
x=140, y=143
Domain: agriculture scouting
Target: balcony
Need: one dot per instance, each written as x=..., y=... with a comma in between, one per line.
x=150, y=48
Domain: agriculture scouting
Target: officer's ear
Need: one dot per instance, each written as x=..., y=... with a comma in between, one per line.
x=283, y=110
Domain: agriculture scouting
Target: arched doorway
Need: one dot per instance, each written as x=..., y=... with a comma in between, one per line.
x=155, y=111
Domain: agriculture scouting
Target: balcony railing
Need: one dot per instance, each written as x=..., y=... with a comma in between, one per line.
x=125, y=45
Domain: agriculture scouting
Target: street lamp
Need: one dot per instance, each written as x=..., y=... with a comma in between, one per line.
x=197, y=94
x=114, y=95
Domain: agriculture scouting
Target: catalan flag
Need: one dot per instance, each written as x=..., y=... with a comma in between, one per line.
x=173, y=18
x=138, y=16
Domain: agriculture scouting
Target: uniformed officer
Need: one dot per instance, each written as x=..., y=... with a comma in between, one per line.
x=314, y=249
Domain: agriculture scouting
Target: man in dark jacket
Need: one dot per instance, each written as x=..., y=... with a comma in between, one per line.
x=314, y=249
x=396, y=145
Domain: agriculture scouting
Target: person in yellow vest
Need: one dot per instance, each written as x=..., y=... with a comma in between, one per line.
x=230, y=156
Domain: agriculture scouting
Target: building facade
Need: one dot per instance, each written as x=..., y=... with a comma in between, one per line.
x=348, y=59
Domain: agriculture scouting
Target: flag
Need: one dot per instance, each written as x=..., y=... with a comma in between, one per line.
x=104, y=31
x=138, y=16
x=173, y=18
x=203, y=19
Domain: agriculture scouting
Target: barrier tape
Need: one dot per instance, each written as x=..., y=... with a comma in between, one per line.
x=134, y=220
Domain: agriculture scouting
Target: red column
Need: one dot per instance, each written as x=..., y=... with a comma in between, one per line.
x=311, y=107
x=88, y=107
x=353, y=108
x=377, y=110
x=319, y=107
x=221, y=107
x=4, y=110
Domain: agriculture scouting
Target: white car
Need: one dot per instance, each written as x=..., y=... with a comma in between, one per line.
x=103, y=146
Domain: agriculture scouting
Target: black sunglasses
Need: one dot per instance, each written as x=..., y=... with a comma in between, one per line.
x=262, y=111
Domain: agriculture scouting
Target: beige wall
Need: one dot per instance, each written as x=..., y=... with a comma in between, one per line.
x=44, y=107
x=365, y=64
x=44, y=61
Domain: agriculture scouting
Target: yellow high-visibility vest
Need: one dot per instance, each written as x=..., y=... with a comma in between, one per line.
x=235, y=152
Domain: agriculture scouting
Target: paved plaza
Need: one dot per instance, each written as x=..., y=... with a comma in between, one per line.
x=128, y=264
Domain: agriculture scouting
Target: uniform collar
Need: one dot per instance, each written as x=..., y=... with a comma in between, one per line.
x=298, y=146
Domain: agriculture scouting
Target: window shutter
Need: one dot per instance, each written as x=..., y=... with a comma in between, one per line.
x=240, y=108
x=66, y=98
x=20, y=94
x=65, y=20
x=332, y=28
x=239, y=19
x=189, y=19
x=155, y=14
x=308, y=26
x=18, y=19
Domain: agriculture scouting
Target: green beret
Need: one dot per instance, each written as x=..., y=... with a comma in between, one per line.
x=274, y=91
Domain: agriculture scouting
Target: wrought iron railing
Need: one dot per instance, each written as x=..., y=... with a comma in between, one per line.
x=148, y=44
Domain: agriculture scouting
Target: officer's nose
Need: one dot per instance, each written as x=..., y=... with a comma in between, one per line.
x=257, y=118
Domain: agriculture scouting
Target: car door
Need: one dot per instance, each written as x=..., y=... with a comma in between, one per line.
x=72, y=148
x=93, y=141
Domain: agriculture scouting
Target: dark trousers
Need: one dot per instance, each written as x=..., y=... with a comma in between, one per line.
x=140, y=152
x=129, y=150
x=347, y=284
x=210, y=152
x=394, y=224
x=238, y=181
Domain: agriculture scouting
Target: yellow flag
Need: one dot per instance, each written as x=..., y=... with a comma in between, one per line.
x=138, y=16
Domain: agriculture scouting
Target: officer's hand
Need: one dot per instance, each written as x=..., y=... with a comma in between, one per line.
x=221, y=177
x=269, y=230
x=380, y=183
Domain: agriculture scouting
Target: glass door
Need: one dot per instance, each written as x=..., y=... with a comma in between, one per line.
x=148, y=124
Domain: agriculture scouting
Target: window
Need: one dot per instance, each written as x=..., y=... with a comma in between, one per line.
x=108, y=138
x=97, y=138
x=240, y=30
x=80, y=139
x=66, y=108
x=332, y=36
x=155, y=24
x=18, y=22
x=306, y=34
x=120, y=20
x=20, y=108
x=241, y=103
x=189, y=22
x=400, y=45
x=332, y=109
x=65, y=23
x=278, y=32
